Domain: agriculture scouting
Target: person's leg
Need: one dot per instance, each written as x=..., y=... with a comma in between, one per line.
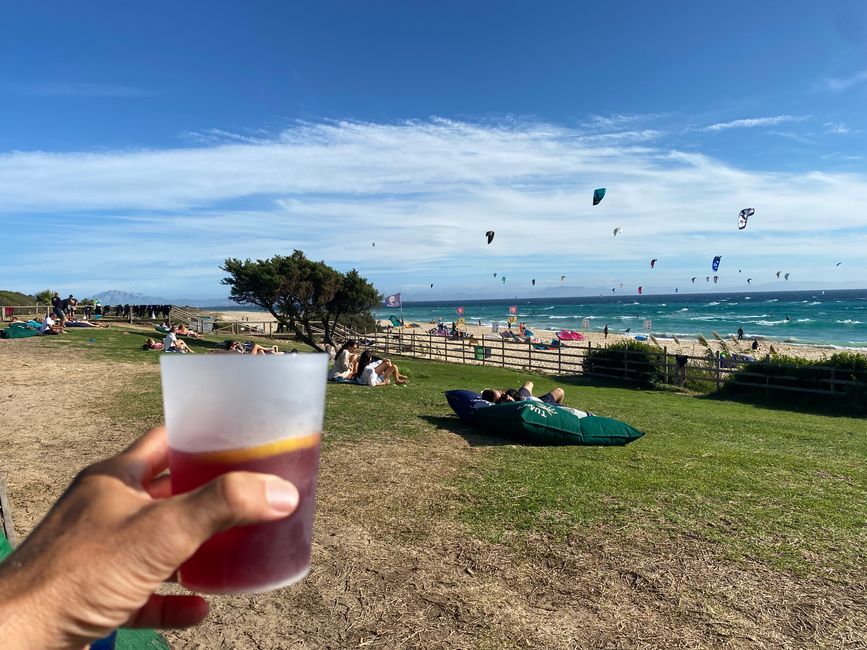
x=398, y=378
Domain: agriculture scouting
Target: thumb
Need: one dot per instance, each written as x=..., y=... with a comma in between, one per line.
x=233, y=499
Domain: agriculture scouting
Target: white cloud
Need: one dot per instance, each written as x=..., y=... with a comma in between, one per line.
x=425, y=192
x=752, y=122
x=837, y=85
x=837, y=128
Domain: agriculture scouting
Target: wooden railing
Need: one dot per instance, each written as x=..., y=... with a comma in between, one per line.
x=570, y=358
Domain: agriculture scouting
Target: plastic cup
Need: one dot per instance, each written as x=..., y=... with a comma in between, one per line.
x=262, y=413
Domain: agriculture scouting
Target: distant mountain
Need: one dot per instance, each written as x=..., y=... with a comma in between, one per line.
x=116, y=297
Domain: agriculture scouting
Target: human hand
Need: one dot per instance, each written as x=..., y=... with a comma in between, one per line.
x=93, y=563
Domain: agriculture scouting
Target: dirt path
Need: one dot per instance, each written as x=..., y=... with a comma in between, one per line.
x=393, y=569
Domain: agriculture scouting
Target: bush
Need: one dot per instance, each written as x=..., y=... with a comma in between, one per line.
x=798, y=373
x=639, y=362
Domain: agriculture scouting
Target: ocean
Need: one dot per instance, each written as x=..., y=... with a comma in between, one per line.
x=836, y=318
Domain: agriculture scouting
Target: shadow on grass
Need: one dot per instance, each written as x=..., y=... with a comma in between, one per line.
x=473, y=436
x=828, y=406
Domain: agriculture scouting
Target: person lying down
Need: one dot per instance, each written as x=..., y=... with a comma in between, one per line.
x=492, y=396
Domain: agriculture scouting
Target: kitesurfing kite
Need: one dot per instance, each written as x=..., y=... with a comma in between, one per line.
x=715, y=264
x=715, y=278
x=676, y=290
x=612, y=289
x=490, y=236
x=373, y=244
x=778, y=274
x=745, y=214
x=495, y=275
x=504, y=279
x=639, y=291
x=652, y=262
x=838, y=263
x=598, y=195
x=749, y=280
x=533, y=282
x=693, y=280
x=787, y=277
x=562, y=277
x=707, y=278
x=431, y=285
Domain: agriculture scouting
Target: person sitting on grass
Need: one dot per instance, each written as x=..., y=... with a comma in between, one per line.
x=377, y=372
x=346, y=361
x=173, y=344
x=49, y=326
x=495, y=396
x=246, y=348
x=150, y=344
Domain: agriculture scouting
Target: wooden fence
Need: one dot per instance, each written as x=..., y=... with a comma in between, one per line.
x=570, y=358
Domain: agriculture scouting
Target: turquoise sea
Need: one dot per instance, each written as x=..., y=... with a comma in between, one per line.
x=836, y=317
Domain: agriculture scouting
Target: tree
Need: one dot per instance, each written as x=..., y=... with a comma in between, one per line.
x=44, y=297
x=300, y=293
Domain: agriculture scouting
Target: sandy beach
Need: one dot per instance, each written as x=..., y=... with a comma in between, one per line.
x=684, y=345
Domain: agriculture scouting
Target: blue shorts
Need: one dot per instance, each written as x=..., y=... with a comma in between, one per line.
x=548, y=398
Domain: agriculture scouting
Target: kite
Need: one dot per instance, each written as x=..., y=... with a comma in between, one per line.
x=652, y=262
x=676, y=290
x=431, y=285
x=621, y=285
x=373, y=244
x=715, y=264
x=749, y=280
x=504, y=279
x=612, y=289
x=490, y=236
x=617, y=231
x=533, y=282
x=715, y=278
x=778, y=274
x=707, y=278
x=693, y=280
x=639, y=291
x=740, y=270
x=787, y=277
x=838, y=264
x=745, y=214
x=495, y=275
x=562, y=277
x=598, y=195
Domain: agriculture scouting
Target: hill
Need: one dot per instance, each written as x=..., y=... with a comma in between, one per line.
x=15, y=298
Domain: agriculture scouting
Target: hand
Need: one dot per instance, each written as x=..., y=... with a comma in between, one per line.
x=93, y=563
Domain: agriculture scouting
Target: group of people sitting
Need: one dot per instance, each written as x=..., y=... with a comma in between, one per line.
x=171, y=343
x=363, y=368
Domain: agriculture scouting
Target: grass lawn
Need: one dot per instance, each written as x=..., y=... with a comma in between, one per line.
x=787, y=489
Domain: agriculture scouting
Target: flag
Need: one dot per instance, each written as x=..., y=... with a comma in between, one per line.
x=460, y=311
x=392, y=301
x=513, y=309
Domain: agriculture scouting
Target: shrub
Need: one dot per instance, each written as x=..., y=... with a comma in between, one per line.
x=639, y=362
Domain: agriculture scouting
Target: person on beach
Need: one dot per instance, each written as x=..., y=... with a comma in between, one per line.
x=377, y=372
x=740, y=334
x=755, y=344
x=105, y=548
x=346, y=361
x=605, y=330
x=495, y=396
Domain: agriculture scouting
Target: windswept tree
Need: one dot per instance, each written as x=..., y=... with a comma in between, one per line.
x=301, y=294
x=44, y=297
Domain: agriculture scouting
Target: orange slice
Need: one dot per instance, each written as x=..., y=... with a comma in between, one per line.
x=229, y=456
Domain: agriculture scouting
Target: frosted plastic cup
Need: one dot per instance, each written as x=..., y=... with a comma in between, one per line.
x=262, y=413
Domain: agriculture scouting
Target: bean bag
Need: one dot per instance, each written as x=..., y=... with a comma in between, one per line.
x=465, y=403
x=18, y=331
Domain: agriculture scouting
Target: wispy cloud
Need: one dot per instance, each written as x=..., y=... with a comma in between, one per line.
x=752, y=122
x=837, y=128
x=77, y=89
x=619, y=120
x=425, y=192
x=838, y=84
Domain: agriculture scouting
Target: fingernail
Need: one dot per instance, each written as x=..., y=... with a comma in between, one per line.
x=281, y=495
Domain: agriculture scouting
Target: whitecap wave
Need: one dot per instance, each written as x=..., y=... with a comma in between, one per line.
x=816, y=302
x=711, y=304
x=684, y=309
x=769, y=323
x=849, y=321
x=773, y=300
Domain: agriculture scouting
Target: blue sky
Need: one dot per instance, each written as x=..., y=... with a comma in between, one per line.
x=142, y=144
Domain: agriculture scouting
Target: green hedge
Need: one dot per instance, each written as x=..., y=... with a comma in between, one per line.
x=643, y=362
x=796, y=372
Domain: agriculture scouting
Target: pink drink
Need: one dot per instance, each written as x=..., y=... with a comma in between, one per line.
x=264, y=556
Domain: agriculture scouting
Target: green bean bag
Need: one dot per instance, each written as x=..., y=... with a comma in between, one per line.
x=545, y=424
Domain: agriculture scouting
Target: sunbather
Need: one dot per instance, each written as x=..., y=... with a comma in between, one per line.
x=173, y=344
x=184, y=331
x=377, y=372
x=495, y=396
x=150, y=344
x=49, y=326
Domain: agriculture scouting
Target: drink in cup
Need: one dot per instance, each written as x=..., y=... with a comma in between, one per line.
x=257, y=413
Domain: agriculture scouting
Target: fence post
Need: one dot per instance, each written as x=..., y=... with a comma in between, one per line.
x=832, y=386
x=430, y=345
x=412, y=343
x=529, y=356
x=446, y=348
x=463, y=351
x=270, y=329
x=717, y=370
x=626, y=361
x=665, y=358
x=386, y=342
x=560, y=358
x=503, y=352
